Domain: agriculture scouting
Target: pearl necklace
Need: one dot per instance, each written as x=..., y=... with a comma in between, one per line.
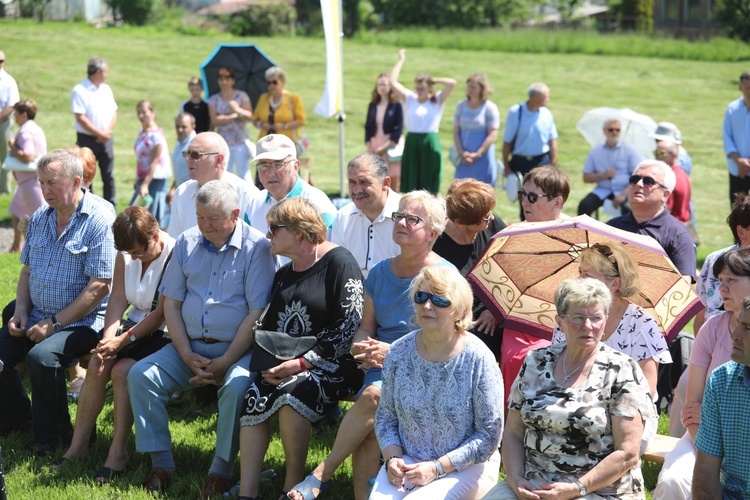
x=275, y=104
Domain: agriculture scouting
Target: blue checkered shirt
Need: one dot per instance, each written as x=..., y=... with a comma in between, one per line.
x=60, y=268
x=724, y=430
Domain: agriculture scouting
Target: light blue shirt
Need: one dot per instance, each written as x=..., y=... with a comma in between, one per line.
x=623, y=157
x=736, y=133
x=218, y=287
x=535, y=131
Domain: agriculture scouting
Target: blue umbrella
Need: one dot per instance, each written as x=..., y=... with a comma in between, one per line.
x=248, y=62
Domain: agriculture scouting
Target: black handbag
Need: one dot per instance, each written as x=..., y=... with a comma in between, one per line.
x=273, y=348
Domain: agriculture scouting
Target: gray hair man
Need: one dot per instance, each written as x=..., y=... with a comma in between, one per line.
x=215, y=287
x=364, y=227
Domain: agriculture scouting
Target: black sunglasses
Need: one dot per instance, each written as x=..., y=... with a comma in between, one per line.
x=195, y=155
x=613, y=130
x=532, y=197
x=437, y=300
x=648, y=182
x=272, y=228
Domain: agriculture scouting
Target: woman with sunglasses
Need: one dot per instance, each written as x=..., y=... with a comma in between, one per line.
x=422, y=160
x=319, y=293
x=144, y=252
x=279, y=111
x=442, y=375
x=386, y=318
x=468, y=230
x=230, y=110
x=543, y=196
x=576, y=411
x=712, y=348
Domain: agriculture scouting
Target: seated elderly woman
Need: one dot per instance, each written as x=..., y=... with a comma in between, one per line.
x=442, y=375
x=144, y=251
x=386, y=318
x=576, y=410
x=319, y=293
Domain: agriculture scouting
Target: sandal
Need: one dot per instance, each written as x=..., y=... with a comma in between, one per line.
x=106, y=475
x=305, y=488
x=75, y=388
x=58, y=463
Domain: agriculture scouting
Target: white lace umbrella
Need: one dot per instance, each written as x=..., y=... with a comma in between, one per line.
x=636, y=128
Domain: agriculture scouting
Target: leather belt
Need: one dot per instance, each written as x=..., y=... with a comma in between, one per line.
x=208, y=341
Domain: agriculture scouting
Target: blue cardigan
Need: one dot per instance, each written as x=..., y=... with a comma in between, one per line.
x=393, y=121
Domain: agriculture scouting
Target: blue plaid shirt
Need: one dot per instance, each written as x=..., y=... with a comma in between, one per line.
x=724, y=431
x=60, y=268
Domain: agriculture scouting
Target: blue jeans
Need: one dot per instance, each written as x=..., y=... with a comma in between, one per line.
x=45, y=365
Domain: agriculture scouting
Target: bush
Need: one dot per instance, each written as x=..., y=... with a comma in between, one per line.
x=137, y=12
x=735, y=16
x=264, y=20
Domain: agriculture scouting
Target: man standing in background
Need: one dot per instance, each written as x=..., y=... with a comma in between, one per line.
x=8, y=97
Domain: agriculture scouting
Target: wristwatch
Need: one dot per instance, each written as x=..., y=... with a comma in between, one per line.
x=581, y=488
x=439, y=471
x=132, y=338
x=56, y=325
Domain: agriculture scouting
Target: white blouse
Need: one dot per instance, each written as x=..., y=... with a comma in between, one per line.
x=423, y=117
x=139, y=291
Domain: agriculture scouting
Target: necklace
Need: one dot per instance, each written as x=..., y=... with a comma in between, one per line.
x=274, y=104
x=427, y=352
x=565, y=371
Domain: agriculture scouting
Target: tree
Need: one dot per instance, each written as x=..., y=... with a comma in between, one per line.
x=734, y=15
x=135, y=12
x=452, y=13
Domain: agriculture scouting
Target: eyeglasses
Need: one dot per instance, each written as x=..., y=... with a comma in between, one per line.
x=225, y=77
x=2, y=61
x=648, y=182
x=613, y=130
x=135, y=255
x=276, y=165
x=272, y=228
x=580, y=319
x=411, y=220
x=532, y=197
x=272, y=82
x=437, y=300
x=195, y=155
x=488, y=218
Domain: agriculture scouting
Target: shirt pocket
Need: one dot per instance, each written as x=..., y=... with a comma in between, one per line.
x=78, y=252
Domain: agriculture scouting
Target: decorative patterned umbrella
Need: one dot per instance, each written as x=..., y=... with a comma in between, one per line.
x=522, y=266
x=249, y=64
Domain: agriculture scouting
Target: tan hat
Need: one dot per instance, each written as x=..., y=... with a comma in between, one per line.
x=275, y=147
x=667, y=131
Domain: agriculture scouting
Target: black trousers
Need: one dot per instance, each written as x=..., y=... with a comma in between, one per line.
x=738, y=185
x=105, y=156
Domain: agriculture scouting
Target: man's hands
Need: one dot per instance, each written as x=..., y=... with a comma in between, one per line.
x=207, y=371
x=37, y=333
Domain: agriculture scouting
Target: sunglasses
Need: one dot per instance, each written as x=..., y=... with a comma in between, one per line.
x=272, y=228
x=195, y=155
x=411, y=220
x=613, y=130
x=437, y=300
x=532, y=197
x=135, y=255
x=606, y=252
x=272, y=82
x=648, y=182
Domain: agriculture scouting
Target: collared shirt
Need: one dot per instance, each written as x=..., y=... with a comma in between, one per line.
x=96, y=103
x=736, y=133
x=183, y=203
x=535, y=131
x=369, y=242
x=8, y=91
x=60, y=268
x=623, y=157
x=219, y=287
x=724, y=431
x=260, y=205
x=670, y=233
x=707, y=288
x=179, y=163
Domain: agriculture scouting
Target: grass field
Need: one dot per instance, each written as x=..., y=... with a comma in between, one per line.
x=48, y=60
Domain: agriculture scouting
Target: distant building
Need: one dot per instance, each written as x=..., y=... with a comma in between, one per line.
x=66, y=10
x=690, y=19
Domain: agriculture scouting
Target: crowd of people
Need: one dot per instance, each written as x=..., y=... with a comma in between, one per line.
x=368, y=303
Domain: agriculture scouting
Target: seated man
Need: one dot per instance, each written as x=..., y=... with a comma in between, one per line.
x=61, y=297
x=609, y=165
x=215, y=287
x=650, y=187
x=678, y=203
x=364, y=227
x=723, y=442
x=278, y=169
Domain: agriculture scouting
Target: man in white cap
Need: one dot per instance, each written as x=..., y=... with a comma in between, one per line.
x=278, y=168
x=668, y=131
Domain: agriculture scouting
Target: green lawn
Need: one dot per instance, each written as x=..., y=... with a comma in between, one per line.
x=49, y=59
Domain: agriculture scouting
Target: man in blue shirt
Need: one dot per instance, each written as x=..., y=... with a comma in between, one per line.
x=68, y=260
x=609, y=165
x=722, y=467
x=737, y=139
x=215, y=287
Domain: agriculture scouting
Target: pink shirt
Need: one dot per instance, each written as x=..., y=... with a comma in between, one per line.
x=713, y=346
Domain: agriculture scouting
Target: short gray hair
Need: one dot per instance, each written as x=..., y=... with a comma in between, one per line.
x=581, y=292
x=434, y=208
x=218, y=194
x=185, y=114
x=370, y=160
x=275, y=71
x=670, y=181
x=69, y=164
x=537, y=88
x=96, y=63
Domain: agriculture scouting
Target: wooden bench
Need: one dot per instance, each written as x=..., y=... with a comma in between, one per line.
x=659, y=447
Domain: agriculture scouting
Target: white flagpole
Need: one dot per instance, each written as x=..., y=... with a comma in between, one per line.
x=341, y=114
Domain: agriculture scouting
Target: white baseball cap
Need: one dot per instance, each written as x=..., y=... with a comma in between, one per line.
x=275, y=147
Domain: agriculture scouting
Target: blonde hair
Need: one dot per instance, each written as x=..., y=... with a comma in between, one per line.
x=447, y=282
x=613, y=261
x=434, y=208
x=300, y=217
